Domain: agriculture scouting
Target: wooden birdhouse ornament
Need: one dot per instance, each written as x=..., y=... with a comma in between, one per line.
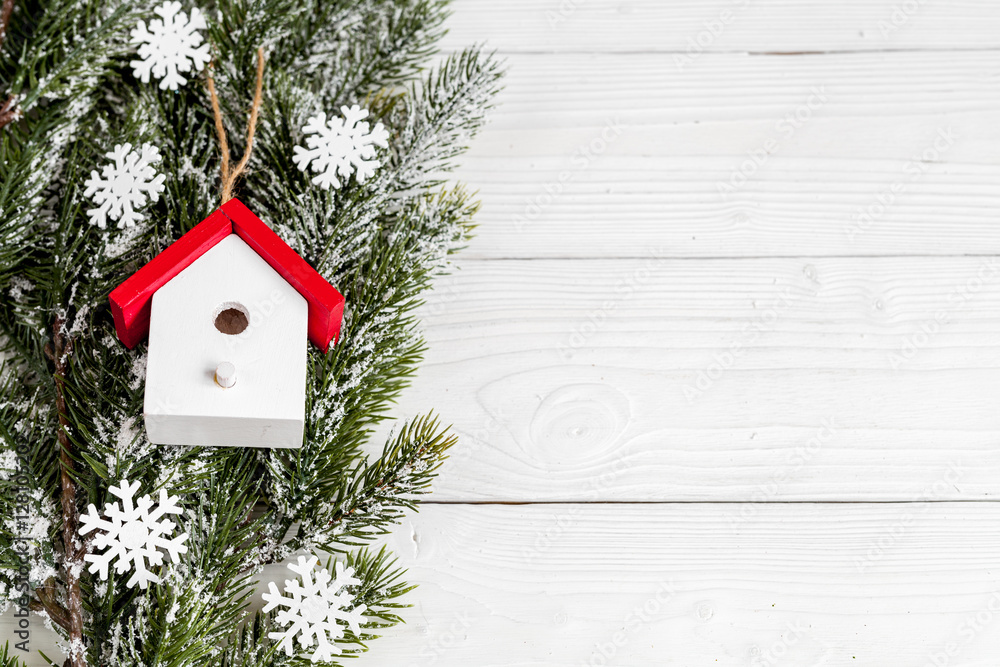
x=228, y=309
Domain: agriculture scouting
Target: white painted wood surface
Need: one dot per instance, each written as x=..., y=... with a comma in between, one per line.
x=761, y=26
x=737, y=156
x=802, y=585
x=666, y=379
x=562, y=346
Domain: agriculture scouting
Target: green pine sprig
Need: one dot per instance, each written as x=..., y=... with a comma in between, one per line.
x=71, y=396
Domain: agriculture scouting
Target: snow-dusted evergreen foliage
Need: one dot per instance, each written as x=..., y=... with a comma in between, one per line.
x=71, y=394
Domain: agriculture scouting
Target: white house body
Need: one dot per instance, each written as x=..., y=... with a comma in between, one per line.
x=230, y=312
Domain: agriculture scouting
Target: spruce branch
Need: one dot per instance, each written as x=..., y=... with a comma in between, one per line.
x=8, y=660
x=72, y=546
x=46, y=602
x=380, y=492
x=69, y=51
x=250, y=647
x=5, y=13
x=381, y=585
x=66, y=376
x=8, y=112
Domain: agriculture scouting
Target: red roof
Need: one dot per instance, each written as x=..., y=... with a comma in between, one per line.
x=131, y=301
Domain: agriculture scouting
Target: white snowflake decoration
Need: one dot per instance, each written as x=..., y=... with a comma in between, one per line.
x=123, y=187
x=316, y=609
x=170, y=46
x=340, y=146
x=134, y=534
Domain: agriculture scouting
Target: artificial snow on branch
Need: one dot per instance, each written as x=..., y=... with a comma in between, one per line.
x=372, y=216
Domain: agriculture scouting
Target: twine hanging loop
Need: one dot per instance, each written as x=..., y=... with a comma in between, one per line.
x=229, y=176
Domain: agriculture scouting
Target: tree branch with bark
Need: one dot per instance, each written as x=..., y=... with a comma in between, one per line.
x=73, y=549
x=75, y=401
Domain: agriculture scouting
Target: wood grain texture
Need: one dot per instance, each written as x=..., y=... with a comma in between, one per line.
x=800, y=585
x=757, y=379
x=803, y=584
x=850, y=154
x=554, y=91
x=723, y=25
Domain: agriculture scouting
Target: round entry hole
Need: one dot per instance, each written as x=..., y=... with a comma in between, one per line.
x=232, y=319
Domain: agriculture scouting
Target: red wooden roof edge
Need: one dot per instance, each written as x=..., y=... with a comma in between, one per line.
x=326, y=304
x=131, y=301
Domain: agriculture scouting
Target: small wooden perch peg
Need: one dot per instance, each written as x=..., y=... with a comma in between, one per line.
x=225, y=375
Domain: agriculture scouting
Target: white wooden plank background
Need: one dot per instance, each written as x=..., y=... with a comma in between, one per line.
x=640, y=154
x=765, y=26
x=611, y=272
x=665, y=379
x=658, y=584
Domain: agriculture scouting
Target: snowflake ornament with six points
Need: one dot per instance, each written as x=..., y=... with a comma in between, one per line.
x=134, y=534
x=123, y=187
x=340, y=146
x=315, y=609
x=170, y=46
